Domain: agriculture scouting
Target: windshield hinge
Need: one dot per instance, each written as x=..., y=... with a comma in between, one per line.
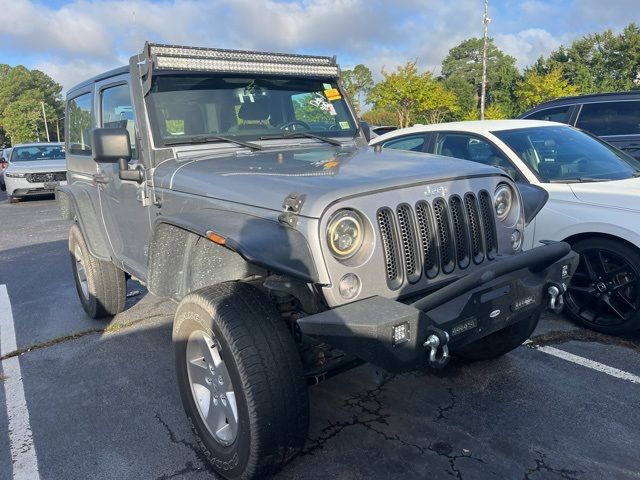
x=291, y=208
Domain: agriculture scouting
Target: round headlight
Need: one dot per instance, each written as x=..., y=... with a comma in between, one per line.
x=344, y=234
x=503, y=201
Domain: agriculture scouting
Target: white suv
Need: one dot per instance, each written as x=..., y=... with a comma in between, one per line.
x=35, y=169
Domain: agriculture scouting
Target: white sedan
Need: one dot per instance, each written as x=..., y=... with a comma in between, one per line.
x=594, y=203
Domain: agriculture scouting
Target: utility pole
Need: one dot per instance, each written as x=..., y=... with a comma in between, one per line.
x=57, y=129
x=483, y=94
x=46, y=127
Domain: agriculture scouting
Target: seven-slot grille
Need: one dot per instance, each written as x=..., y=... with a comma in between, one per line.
x=46, y=177
x=431, y=238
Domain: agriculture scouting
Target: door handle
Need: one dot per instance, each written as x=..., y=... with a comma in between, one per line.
x=101, y=179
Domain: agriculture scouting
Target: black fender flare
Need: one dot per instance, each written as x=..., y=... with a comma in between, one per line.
x=76, y=203
x=261, y=242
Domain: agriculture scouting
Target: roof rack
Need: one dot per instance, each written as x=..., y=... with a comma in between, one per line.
x=174, y=57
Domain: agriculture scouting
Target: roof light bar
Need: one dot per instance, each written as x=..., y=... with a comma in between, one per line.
x=172, y=57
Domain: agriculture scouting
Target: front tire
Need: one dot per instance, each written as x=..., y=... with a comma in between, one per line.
x=604, y=293
x=240, y=379
x=501, y=342
x=101, y=286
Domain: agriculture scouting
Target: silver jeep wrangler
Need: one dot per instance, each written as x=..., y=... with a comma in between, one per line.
x=240, y=184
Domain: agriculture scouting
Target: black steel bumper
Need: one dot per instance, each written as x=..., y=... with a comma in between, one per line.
x=501, y=293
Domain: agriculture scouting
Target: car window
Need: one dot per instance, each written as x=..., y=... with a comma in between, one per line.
x=414, y=143
x=117, y=111
x=556, y=114
x=79, y=121
x=561, y=153
x=38, y=152
x=476, y=149
x=610, y=118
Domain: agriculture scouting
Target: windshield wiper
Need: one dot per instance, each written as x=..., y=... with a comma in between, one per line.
x=580, y=180
x=337, y=143
x=214, y=138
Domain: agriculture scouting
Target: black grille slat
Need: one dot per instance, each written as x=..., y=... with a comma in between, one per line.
x=460, y=231
x=427, y=239
x=407, y=231
x=488, y=224
x=386, y=225
x=443, y=229
x=475, y=229
x=46, y=177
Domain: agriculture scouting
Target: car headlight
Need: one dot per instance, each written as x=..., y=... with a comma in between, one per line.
x=345, y=234
x=503, y=201
x=14, y=175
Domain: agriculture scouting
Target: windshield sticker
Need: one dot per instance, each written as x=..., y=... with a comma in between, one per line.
x=344, y=125
x=327, y=86
x=319, y=101
x=332, y=94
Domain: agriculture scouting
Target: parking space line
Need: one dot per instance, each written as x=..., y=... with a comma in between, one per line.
x=585, y=362
x=23, y=452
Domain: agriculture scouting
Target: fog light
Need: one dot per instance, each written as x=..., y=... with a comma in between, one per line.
x=400, y=333
x=516, y=239
x=349, y=286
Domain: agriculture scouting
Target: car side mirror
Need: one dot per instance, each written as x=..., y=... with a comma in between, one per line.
x=533, y=199
x=112, y=145
x=366, y=130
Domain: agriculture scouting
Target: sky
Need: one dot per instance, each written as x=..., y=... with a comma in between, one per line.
x=72, y=40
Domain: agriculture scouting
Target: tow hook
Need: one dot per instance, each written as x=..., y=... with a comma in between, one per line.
x=556, y=301
x=437, y=341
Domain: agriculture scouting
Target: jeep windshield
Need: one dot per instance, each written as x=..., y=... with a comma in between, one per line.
x=196, y=108
x=561, y=154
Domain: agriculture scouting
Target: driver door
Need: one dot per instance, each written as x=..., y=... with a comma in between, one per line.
x=127, y=220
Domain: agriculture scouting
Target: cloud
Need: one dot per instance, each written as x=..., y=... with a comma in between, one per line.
x=527, y=46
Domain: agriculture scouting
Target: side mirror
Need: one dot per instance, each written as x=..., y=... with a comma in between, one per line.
x=112, y=145
x=366, y=130
x=533, y=199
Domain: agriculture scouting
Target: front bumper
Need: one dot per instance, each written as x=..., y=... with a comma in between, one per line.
x=499, y=294
x=20, y=187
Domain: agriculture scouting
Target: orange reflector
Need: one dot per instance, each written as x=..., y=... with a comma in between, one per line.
x=215, y=238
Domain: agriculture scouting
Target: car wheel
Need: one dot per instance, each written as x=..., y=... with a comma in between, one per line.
x=604, y=293
x=240, y=379
x=13, y=199
x=101, y=286
x=500, y=342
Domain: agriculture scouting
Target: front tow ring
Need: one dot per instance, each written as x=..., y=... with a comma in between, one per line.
x=434, y=343
x=556, y=301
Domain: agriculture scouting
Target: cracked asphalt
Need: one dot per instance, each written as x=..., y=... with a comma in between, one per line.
x=103, y=403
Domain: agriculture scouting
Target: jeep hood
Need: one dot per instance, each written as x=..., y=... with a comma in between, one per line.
x=324, y=175
x=622, y=194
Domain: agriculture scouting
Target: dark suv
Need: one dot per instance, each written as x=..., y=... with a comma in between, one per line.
x=614, y=117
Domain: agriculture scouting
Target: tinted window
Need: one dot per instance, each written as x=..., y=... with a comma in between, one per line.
x=117, y=111
x=610, y=118
x=562, y=153
x=414, y=143
x=476, y=149
x=79, y=131
x=557, y=114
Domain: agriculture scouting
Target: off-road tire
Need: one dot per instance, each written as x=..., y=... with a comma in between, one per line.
x=106, y=283
x=264, y=367
x=500, y=342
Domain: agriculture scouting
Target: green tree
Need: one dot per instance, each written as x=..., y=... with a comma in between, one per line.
x=599, y=62
x=379, y=116
x=465, y=94
x=412, y=96
x=21, y=93
x=357, y=83
x=536, y=88
x=465, y=61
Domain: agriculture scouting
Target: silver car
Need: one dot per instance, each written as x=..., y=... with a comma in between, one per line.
x=35, y=169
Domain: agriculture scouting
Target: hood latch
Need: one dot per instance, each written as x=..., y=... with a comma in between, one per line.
x=291, y=208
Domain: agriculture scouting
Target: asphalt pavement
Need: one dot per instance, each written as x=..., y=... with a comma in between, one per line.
x=101, y=400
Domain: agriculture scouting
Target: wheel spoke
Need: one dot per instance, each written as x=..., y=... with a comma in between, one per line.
x=206, y=349
x=588, y=265
x=624, y=285
x=602, y=263
x=613, y=308
x=628, y=302
x=199, y=372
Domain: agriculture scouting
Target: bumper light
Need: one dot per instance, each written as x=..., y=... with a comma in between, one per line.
x=14, y=175
x=400, y=334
